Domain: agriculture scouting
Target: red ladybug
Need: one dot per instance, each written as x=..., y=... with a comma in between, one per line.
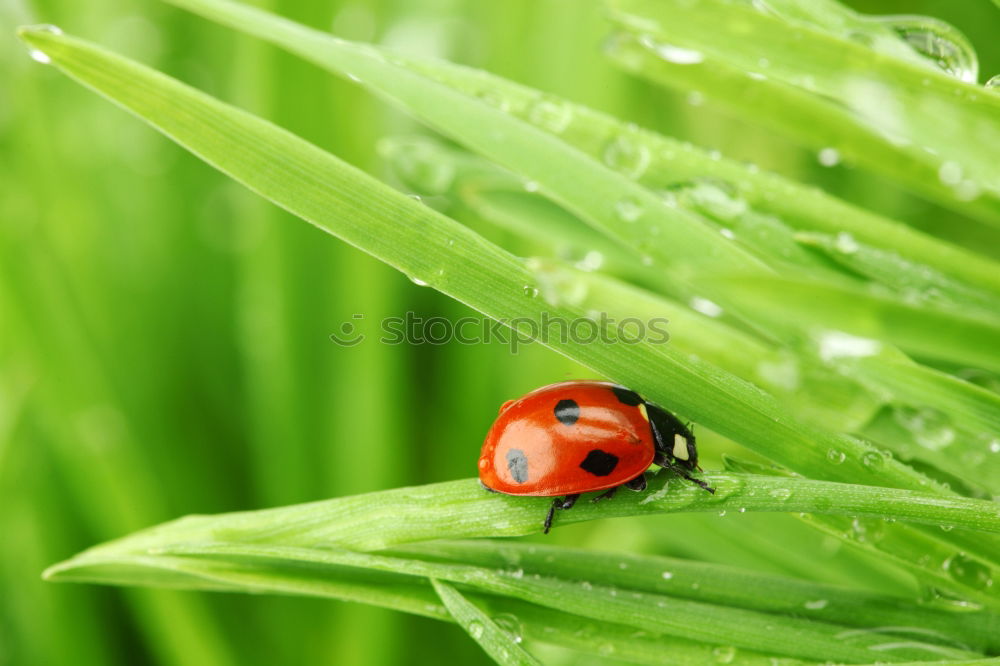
x=580, y=436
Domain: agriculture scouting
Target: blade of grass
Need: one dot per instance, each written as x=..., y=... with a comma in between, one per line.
x=720, y=584
x=647, y=611
x=462, y=509
x=971, y=337
x=495, y=641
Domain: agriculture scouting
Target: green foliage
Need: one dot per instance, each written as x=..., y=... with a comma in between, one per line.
x=799, y=324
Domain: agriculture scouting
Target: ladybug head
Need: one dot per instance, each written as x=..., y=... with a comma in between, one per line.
x=672, y=437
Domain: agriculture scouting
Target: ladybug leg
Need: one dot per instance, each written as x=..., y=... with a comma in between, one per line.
x=559, y=503
x=637, y=484
x=663, y=460
x=607, y=494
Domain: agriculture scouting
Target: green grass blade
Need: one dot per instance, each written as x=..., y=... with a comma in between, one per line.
x=953, y=424
x=463, y=509
x=723, y=585
x=971, y=337
x=879, y=110
x=496, y=642
x=742, y=629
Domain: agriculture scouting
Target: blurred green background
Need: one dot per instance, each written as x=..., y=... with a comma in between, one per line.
x=164, y=334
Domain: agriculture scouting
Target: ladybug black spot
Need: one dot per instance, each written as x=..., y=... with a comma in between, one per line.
x=517, y=463
x=599, y=463
x=625, y=396
x=567, y=411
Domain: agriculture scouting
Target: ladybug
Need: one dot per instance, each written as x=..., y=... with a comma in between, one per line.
x=582, y=436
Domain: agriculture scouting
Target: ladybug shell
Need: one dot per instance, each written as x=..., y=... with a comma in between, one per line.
x=567, y=438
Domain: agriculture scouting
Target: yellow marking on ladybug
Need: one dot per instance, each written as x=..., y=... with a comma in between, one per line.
x=642, y=410
x=681, y=447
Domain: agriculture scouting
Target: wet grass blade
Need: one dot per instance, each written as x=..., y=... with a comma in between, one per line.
x=496, y=642
x=971, y=337
x=460, y=509
x=647, y=611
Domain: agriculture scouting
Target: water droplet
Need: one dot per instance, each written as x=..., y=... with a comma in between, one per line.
x=40, y=56
x=931, y=428
x=818, y=604
x=727, y=233
x=666, y=575
x=510, y=624
x=675, y=54
x=994, y=83
x=417, y=281
x=829, y=157
x=551, y=114
x=780, y=493
x=724, y=654
x=628, y=209
x=950, y=173
x=530, y=186
x=476, y=629
x=591, y=261
x=722, y=513
x=557, y=284
x=705, y=306
x=995, y=446
x=623, y=565
x=782, y=371
x=494, y=99
x=968, y=571
x=517, y=573
x=530, y=291
x=695, y=98
x=627, y=154
x=834, y=345
x=716, y=198
x=743, y=509
x=586, y=585
x=938, y=42
x=873, y=459
x=836, y=457
x=845, y=243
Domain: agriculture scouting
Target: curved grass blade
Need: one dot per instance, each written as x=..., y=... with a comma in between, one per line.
x=724, y=585
x=970, y=339
x=495, y=641
x=463, y=509
x=762, y=632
